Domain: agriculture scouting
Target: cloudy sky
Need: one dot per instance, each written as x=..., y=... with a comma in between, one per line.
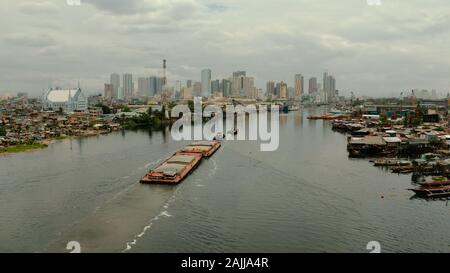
x=371, y=50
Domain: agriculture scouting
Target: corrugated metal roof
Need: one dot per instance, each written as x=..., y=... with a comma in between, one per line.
x=392, y=139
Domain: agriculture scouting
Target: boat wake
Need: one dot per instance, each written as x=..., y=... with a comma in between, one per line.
x=214, y=168
x=164, y=213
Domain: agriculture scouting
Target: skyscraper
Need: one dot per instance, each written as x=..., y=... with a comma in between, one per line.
x=241, y=85
x=206, y=82
x=197, y=89
x=270, y=88
x=312, y=88
x=128, y=85
x=215, y=86
x=108, y=91
x=225, y=87
x=144, y=86
x=299, y=85
x=329, y=88
x=115, y=82
x=239, y=74
x=283, y=90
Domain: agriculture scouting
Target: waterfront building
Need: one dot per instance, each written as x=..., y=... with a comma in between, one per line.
x=299, y=85
x=206, y=82
x=71, y=100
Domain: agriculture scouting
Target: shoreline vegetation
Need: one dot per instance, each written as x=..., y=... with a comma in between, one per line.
x=23, y=148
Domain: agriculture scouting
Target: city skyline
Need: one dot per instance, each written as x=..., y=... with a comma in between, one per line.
x=372, y=50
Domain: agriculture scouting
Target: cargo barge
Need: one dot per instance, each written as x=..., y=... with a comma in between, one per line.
x=181, y=164
x=205, y=148
x=174, y=169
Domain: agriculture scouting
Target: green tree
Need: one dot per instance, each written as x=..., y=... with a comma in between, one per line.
x=191, y=105
x=150, y=111
x=2, y=130
x=106, y=110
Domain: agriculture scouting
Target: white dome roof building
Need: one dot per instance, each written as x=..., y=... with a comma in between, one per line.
x=68, y=100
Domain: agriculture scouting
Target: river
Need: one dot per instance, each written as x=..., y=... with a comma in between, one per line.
x=307, y=196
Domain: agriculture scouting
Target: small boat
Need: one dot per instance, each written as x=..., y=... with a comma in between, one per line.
x=403, y=169
x=437, y=183
x=174, y=169
x=205, y=148
x=392, y=162
x=425, y=191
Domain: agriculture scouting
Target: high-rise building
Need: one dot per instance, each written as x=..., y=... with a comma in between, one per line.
x=299, y=85
x=187, y=92
x=249, y=89
x=329, y=88
x=312, y=88
x=277, y=89
x=215, y=86
x=189, y=83
x=241, y=85
x=270, y=88
x=197, y=89
x=115, y=82
x=225, y=87
x=120, y=93
x=206, y=82
x=143, y=86
x=283, y=90
x=128, y=85
x=239, y=74
x=108, y=91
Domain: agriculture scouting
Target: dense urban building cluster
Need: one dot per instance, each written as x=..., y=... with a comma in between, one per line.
x=25, y=121
x=238, y=85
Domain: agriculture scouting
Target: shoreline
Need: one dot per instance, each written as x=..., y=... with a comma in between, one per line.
x=37, y=146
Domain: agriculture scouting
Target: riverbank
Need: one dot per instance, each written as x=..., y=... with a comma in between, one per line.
x=23, y=148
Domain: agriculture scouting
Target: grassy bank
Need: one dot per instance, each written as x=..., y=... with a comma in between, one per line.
x=23, y=148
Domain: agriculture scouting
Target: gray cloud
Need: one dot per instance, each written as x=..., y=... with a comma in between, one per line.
x=370, y=50
x=38, y=41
